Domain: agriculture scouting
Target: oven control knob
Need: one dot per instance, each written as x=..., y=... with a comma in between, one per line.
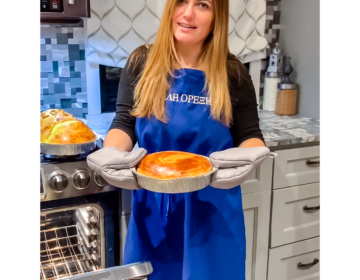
x=58, y=181
x=81, y=179
x=100, y=181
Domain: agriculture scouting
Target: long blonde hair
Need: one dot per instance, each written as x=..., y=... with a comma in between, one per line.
x=150, y=91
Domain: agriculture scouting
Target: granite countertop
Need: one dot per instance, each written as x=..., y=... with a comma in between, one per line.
x=288, y=130
x=277, y=130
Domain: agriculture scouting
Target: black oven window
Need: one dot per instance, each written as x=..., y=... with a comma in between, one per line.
x=109, y=83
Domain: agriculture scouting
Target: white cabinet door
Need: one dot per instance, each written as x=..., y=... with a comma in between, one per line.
x=290, y=222
x=291, y=167
x=260, y=179
x=257, y=218
x=284, y=261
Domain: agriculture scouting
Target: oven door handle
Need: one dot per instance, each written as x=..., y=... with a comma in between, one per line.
x=124, y=272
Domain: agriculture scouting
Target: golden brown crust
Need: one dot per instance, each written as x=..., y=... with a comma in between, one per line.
x=51, y=116
x=67, y=132
x=173, y=164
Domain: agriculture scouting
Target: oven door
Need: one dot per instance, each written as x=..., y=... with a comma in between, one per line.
x=79, y=235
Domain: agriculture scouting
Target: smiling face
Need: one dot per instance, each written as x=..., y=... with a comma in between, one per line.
x=193, y=21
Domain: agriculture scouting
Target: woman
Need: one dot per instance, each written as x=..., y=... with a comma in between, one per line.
x=186, y=93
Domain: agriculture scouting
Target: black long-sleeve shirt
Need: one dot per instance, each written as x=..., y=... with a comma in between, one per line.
x=245, y=123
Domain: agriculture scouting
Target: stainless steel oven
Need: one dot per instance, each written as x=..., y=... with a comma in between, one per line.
x=80, y=224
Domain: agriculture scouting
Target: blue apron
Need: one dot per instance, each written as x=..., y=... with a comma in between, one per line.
x=197, y=235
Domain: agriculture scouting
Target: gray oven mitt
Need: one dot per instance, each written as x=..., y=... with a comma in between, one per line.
x=235, y=165
x=114, y=166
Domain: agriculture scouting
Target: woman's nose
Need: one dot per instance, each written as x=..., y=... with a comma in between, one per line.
x=189, y=11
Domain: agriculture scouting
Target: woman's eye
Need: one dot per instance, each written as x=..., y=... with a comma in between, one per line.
x=204, y=6
x=180, y=2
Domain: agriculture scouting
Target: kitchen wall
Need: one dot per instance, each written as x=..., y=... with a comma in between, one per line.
x=272, y=35
x=300, y=39
x=62, y=68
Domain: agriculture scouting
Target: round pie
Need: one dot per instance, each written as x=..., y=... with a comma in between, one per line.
x=173, y=164
x=51, y=116
x=67, y=132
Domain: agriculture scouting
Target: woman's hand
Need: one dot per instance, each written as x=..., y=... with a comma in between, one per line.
x=114, y=166
x=235, y=165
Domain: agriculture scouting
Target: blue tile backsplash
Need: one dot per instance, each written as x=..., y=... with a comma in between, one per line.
x=63, y=69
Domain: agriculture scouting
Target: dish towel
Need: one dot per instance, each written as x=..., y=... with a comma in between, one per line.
x=117, y=27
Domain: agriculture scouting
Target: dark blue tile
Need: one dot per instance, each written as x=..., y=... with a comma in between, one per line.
x=84, y=105
x=70, y=35
x=64, y=80
x=62, y=38
x=55, y=66
x=73, y=95
x=75, y=74
x=42, y=57
x=72, y=68
x=65, y=103
x=74, y=55
x=41, y=102
x=73, y=100
x=73, y=90
x=73, y=48
x=43, y=75
x=59, y=88
x=78, y=89
x=45, y=91
x=56, y=74
x=72, y=63
x=84, y=115
x=82, y=55
x=47, y=41
x=52, y=106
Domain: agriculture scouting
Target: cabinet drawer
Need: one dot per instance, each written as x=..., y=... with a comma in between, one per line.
x=291, y=167
x=260, y=179
x=290, y=222
x=283, y=261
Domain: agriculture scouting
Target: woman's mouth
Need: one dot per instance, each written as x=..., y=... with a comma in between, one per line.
x=187, y=26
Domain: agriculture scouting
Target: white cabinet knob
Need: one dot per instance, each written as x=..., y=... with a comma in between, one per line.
x=71, y=2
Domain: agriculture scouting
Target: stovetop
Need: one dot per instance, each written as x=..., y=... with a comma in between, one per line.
x=69, y=177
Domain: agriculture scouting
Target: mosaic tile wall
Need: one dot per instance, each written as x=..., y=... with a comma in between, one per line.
x=272, y=35
x=62, y=69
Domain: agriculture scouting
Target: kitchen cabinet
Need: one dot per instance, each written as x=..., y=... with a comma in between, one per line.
x=260, y=179
x=257, y=218
x=296, y=167
x=284, y=261
x=295, y=218
x=294, y=214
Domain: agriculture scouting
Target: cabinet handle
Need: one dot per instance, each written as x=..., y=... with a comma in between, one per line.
x=312, y=208
x=310, y=162
x=315, y=261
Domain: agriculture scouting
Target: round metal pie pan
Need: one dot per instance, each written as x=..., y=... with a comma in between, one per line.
x=69, y=149
x=178, y=185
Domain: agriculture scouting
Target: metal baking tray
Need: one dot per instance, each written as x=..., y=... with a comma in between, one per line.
x=69, y=149
x=134, y=271
x=178, y=185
